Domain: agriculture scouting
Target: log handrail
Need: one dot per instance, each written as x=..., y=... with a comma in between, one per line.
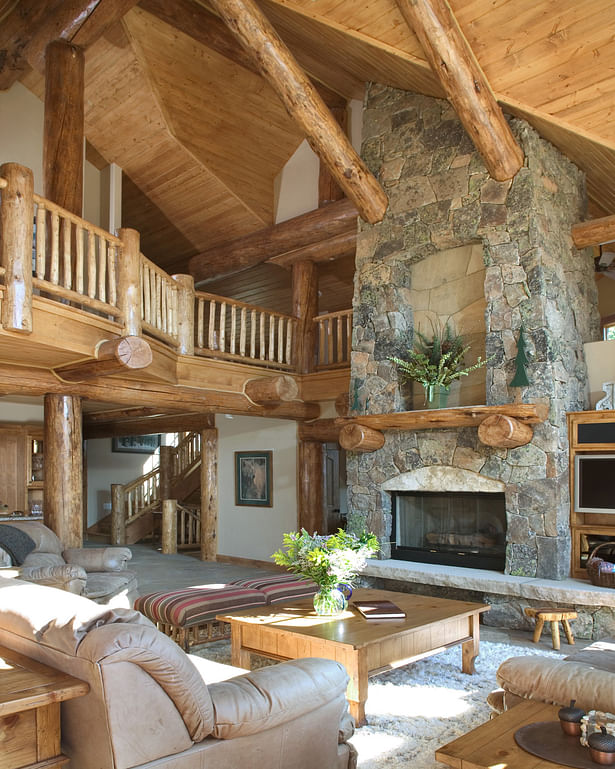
x=240, y=331
x=188, y=528
x=334, y=335
x=187, y=455
x=142, y=495
x=158, y=302
x=74, y=259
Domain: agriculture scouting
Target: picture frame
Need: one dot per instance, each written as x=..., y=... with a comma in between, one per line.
x=254, y=478
x=135, y=444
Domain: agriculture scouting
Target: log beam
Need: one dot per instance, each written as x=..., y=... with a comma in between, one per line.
x=159, y=424
x=322, y=431
x=30, y=27
x=504, y=432
x=595, y=232
x=63, y=131
x=466, y=86
x=336, y=247
x=277, y=65
x=131, y=392
x=271, y=390
x=300, y=231
x=115, y=356
x=63, y=489
x=357, y=437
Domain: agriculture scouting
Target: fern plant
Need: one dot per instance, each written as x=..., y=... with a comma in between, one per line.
x=438, y=359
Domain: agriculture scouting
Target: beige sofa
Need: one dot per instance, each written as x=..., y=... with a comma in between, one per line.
x=152, y=706
x=98, y=573
x=587, y=676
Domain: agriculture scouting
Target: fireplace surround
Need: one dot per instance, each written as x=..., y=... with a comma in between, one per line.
x=441, y=197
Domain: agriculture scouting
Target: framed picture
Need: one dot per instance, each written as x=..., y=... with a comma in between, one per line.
x=136, y=444
x=253, y=478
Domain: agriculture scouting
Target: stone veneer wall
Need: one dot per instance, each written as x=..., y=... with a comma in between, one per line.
x=442, y=197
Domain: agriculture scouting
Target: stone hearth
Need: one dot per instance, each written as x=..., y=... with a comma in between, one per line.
x=442, y=198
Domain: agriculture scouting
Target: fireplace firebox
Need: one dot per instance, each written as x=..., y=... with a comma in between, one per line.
x=450, y=528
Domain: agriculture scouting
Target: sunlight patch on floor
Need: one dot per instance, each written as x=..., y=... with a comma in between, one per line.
x=426, y=701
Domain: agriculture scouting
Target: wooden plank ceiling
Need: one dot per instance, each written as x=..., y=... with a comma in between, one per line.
x=201, y=137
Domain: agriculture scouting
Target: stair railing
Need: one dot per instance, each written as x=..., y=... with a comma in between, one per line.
x=131, y=501
x=187, y=455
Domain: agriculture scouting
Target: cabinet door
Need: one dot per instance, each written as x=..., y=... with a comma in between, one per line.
x=13, y=468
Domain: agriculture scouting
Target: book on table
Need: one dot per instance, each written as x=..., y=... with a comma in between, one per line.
x=379, y=609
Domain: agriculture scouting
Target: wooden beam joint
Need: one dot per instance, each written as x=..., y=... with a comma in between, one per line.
x=115, y=356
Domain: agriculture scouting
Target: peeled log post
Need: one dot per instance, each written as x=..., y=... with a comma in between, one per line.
x=275, y=389
x=305, y=309
x=129, y=281
x=169, y=526
x=303, y=103
x=310, y=486
x=118, y=514
x=466, y=86
x=355, y=437
x=504, y=432
x=322, y=430
x=209, y=494
x=16, y=232
x=114, y=356
x=185, y=313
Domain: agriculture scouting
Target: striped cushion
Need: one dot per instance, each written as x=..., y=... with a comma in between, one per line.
x=195, y=605
x=279, y=587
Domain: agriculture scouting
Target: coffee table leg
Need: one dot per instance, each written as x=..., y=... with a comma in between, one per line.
x=355, y=663
x=240, y=658
x=470, y=649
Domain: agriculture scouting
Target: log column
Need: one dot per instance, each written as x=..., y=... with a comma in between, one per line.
x=63, y=128
x=185, y=313
x=16, y=217
x=129, y=281
x=310, y=487
x=63, y=491
x=305, y=308
x=209, y=494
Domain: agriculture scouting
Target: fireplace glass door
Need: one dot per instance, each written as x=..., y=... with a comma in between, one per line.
x=451, y=528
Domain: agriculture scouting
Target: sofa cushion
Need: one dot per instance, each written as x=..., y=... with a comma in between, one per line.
x=94, y=559
x=45, y=539
x=163, y=660
x=279, y=587
x=600, y=655
x=274, y=695
x=195, y=605
x=107, y=584
x=55, y=617
x=16, y=542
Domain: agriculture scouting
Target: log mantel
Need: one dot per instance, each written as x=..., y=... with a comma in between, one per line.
x=463, y=416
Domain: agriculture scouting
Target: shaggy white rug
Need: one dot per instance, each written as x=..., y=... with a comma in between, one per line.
x=413, y=710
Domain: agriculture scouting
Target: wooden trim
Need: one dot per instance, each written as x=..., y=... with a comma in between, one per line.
x=595, y=232
x=251, y=562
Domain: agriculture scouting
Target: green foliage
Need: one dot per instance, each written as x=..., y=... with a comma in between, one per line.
x=328, y=560
x=520, y=378
x=437, y=359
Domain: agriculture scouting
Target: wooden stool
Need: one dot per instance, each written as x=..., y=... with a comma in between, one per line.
x=553, y=616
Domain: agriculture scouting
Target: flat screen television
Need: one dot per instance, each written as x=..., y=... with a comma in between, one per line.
x=594, y=483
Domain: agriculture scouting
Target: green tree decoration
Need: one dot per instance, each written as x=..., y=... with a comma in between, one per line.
x=520, y=378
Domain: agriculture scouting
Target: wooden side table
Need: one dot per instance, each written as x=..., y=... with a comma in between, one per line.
x=30, y=696
x=553, y=616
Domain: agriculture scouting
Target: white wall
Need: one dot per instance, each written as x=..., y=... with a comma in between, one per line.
x=26, y=410
x=21, y=131
x=255, y=532
x=105, y=467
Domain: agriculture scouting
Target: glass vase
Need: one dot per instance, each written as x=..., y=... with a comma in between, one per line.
x=436, y=396
x=329, y=601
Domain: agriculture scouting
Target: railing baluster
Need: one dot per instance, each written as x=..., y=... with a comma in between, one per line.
x=79, y=258
x=289, y=339
x=147, y=305
x=253, y=334
x=242, y=332
x=66, y=254
x=91, y=265
x=271, y=338
x=212, y=325
x=200, y=320
x=340, y=349
x=111, y=262
x=54, y=276
x=102, y=270
x=222, y=340
x=321, y=342
x=233, y=328
x=261, y=352
x=280, y=339
x=41, y=240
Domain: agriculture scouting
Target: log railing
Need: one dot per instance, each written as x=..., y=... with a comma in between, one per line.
x=131, y=501
x=188, y=528
x=74, y=260
x=229, y=329
x=187, y=455
x=334, y=334
x=158, y=303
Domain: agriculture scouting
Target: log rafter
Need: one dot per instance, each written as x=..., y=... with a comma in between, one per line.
x=304, y=105
x=594, y=232
x=466, y=86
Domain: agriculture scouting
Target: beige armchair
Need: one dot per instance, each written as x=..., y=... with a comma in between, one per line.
x=98, y=573
x=152, y=706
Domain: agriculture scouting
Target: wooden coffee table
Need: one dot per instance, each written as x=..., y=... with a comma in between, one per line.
x=291, y=629
x=493, y=743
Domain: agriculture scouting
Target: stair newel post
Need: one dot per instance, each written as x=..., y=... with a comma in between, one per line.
x=169, y=526
x=185, y=313
x=129, y=281
x=118, y=514
x=16, y=233
x=209, y=494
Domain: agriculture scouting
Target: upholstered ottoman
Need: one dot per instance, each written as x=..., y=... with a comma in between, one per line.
x=188, y=616
x=279, y=587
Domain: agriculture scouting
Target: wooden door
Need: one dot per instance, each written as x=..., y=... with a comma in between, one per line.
x=13, y=472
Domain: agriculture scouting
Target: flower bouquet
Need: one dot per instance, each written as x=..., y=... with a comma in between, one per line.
x=331, y=561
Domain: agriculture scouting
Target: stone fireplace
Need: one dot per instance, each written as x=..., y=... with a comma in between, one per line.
x=442, y=200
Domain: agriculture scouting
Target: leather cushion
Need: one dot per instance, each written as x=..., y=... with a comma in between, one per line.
x=195, y=605
x=279, y=587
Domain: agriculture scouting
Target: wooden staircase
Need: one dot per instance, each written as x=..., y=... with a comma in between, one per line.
x=137, y=507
